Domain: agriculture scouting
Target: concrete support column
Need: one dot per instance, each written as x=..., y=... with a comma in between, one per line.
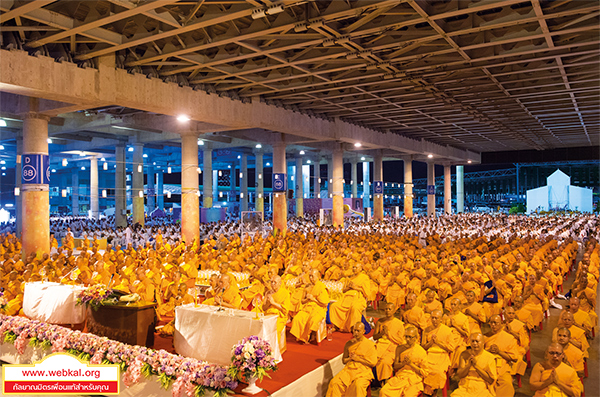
x=120, y=188
x=244, y=183
x=18, y=199
x=75, y=192
x=160, y=190
x=232, y=194
x=215, y=180
x=317, y=176
x=259, y=182
x=408, y=187
x=190, y=202
x=378, y=198
x=329, y=177
x=151, y=176
x=35, y=222
x=366, y=187
x=447, y=190
x=354, y=175
x=430, y=182
x=460, y=189
x=137, y=184
x=279, y=199
x=338, y=186
x=94, y=204
x=299, y=189
x=207, y=177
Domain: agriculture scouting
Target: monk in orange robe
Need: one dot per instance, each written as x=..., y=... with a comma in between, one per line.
x=554, y=378
x=349, y=309
x=476, y=371
x=388, y=334
x=439, y=341
x=505, y=348
x=313, y=310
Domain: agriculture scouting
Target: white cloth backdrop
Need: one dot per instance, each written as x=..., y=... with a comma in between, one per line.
x=204, y=334
x=53, y=303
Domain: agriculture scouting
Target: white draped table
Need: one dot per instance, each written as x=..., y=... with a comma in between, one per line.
x=205, y=334
x=53, y=303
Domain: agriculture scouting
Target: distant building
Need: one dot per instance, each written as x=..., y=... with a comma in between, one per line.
x=559, y=195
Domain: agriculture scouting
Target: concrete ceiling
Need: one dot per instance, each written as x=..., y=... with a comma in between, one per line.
x=480, y=76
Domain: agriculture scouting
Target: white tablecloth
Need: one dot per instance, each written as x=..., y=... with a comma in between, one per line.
x=204, y=334
x=53, y=303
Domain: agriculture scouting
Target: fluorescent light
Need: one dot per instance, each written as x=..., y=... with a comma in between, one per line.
x=9, y=205
x=140, y=168
x=81, y=154
x=104, y=193
x=168, y=170
x=168, y=194
x=469, y=161
x=302, y=152
x=53, y=170
x=199, y=170
x=49, y=140
x=307, y=161
x=258, y=146
x=220, y=173
x=105, y=166
x=241, y=195
x=183, y=118
x=145, y=156
x=2, y=123
x=275, y=9
x=1, y=147
x=241, y=175
x=268, y=164
x=430, y=156
x=17, y=191
x=3, y=168
x=258, y=13
x=130, y=149
x=82, y=168
x=141, y=193
x=229, y=166
x=259, y=176
x=200, y=142
x=64, y=193
x=2, y=162
x=357, y=144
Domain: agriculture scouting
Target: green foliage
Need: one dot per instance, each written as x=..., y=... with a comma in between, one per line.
x=165, y=380
x=517, y=209
x=147, y=370
x=34, y=342
x=10, y=337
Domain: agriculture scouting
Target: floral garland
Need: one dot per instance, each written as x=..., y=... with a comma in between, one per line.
x=251, y=357
x=185, y=374
x=95, y=296
x=3, y=302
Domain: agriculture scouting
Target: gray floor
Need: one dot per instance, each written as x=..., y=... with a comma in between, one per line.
x=539, y=342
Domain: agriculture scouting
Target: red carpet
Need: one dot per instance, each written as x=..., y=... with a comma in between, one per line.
x=298, y=360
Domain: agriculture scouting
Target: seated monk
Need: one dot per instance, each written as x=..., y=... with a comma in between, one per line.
x=505, y=348
x=414, y=314
x=411, y=368
x=523, y=314
x=349, y=309
x=256, y=289
x=227, y=296
x=359, y=357
x=388, y=335
x=277, y=301
x=581, y=319
x=431, y=304
x=313, y=310
x=475, y=312
x=476, y=371
x=439, y=341
x=573, y=356
x=212, y=291
x=518, y=330
x=577, y=334
x=554, y=378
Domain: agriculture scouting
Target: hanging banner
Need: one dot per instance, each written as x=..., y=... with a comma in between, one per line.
x=35, y=169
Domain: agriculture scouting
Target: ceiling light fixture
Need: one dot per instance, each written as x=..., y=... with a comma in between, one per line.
x=183, y=118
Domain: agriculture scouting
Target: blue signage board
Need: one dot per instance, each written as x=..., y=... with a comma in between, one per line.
x=431, y=189
x=35, y=169
x=279, y=182
x=378, y=187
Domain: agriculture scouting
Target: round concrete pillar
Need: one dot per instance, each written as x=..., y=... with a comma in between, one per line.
x=190, y=201
x=279, y=198
x=35, y=222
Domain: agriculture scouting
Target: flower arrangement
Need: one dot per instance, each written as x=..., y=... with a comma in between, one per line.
x=95, y=296
x=3, y=302
x=251, y=357
x=183, y=374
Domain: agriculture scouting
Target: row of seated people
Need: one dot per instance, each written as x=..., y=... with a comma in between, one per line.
x=484, y=364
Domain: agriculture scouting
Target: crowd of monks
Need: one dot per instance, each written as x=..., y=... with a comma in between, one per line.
x=438, y=294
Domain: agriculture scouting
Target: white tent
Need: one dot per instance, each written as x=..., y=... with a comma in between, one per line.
x=558, y=194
